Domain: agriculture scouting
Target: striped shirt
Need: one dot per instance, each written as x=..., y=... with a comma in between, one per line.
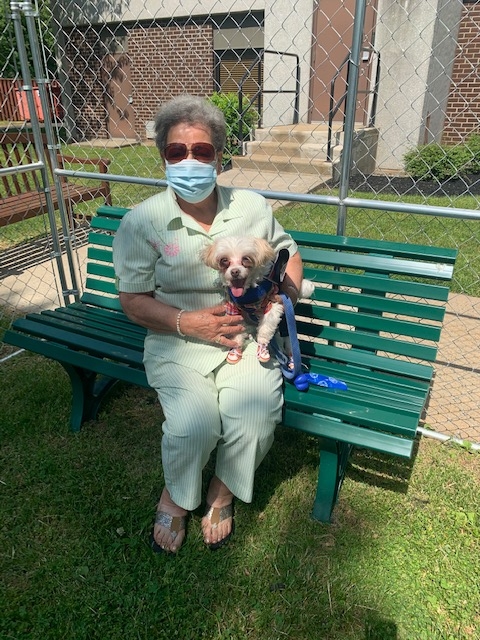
x=157, y=249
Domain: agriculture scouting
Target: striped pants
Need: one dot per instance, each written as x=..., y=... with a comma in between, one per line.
x=234, y=409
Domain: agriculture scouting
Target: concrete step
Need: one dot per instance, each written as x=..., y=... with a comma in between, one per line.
x=300, y=133
x=294, y=150
x=313, y=133
x=281, y=163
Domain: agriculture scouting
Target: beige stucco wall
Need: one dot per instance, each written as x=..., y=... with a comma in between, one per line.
x=416, y=40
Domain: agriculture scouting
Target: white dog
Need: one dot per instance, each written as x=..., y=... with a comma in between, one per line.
x=251, y=278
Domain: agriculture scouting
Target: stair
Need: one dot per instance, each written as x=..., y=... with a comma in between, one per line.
x=302, y=149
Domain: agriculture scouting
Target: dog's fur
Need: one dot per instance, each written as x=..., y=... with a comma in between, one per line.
x=243, y=263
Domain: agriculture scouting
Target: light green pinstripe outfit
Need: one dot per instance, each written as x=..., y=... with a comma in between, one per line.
x=207, y=402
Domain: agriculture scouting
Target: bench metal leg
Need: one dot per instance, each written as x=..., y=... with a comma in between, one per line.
x=333, y=461
x=88, y=392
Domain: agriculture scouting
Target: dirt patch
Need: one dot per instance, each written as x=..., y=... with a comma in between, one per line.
x=465, y=186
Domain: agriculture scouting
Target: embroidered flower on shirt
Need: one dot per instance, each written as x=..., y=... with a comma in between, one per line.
x=172, y=249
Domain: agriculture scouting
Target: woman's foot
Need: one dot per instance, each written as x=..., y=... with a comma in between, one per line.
x=170, y=524
x=217, y=523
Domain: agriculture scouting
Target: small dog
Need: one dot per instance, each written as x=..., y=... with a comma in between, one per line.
x=251, y=278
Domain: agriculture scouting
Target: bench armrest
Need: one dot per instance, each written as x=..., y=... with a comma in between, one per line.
x=101, y=163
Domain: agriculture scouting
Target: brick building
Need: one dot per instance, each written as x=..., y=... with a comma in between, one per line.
x=463, y=108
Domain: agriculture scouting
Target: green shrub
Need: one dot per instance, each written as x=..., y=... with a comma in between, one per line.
x=473, y=146
x=440, y=162
x=229, y=104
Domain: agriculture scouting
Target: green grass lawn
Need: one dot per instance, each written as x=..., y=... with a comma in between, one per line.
x=400, y=562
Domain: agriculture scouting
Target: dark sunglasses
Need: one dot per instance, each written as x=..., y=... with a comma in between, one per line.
x=178, y=151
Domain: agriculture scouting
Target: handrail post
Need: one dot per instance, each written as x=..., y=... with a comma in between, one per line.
x=350, y=108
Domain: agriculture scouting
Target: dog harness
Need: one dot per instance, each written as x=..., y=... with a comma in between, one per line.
x=254, y=303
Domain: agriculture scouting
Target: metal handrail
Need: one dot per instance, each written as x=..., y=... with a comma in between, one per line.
x=261, y=91
x=333, y=108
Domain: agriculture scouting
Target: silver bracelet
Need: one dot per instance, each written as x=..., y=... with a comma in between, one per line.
x=179, y=331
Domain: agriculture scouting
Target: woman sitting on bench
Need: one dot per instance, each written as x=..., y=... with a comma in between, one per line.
x=207, y=403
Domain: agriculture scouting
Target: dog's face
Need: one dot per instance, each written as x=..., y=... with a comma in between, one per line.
x=240, y=261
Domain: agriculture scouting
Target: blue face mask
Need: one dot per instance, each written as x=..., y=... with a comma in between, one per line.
x=191, y=180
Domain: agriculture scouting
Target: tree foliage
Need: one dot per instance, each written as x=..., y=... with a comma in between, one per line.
x=9, y=59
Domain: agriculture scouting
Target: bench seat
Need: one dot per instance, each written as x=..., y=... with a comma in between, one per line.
x=374, y=322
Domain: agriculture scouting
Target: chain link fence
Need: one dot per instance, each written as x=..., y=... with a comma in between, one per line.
x=360, y=117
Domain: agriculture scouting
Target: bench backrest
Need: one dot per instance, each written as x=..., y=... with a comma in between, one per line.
x=17, y=149
x=100, y=285
x=377, y=305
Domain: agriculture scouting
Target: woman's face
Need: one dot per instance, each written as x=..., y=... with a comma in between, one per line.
x=190, y=134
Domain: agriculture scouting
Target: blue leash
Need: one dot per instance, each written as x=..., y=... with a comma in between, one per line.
x=294, y=374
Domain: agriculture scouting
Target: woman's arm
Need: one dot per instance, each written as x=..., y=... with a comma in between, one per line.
x=210, y=324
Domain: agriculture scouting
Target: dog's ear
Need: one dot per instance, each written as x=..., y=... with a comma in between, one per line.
x=265, y=252
x=208, y=255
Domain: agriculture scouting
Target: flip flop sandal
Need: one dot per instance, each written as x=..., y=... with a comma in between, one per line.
x=174, y=523
x=217, y=515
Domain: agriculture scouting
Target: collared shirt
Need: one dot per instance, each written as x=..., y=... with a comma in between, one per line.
x=157, y=249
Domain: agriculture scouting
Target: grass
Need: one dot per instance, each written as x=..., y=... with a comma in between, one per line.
x=400, y=562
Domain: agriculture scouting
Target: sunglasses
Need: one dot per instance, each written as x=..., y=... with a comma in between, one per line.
x=178, y=151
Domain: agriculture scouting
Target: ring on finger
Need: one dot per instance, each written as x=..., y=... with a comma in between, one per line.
x=218, y=340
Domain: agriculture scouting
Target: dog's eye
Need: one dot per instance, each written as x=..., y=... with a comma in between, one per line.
x=247, y=261
x=224, y=263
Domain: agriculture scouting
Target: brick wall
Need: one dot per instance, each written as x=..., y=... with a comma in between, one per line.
x=166, y=62
x=463, y=108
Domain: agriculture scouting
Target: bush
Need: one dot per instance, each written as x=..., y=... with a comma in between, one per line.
x=473, y=146
x=441, y=162
x=229, y=104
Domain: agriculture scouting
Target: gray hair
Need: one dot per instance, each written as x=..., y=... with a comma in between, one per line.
x=191, y=110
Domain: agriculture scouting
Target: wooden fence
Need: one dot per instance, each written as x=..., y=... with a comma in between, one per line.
x=13, y=101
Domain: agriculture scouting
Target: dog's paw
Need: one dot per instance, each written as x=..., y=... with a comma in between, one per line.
x=234, y=356
x=263, y=354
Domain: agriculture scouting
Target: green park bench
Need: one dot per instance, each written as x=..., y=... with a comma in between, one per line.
x=373, y=322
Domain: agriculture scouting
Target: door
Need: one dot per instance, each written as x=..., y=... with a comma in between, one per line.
x=118, y=96
x=332, y=41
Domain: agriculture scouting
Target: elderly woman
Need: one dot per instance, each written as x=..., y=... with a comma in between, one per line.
x=207, y=403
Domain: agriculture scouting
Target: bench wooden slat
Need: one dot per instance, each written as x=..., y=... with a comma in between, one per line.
x=378, y=283
x=369, y=322
x=368, y=245
x=22, y=195
x=35, y=325
x=379, y=303
x=377, y=264
x=370, y=341
x=358, y=436
x=351, y=410
x=90, y=327
x=101, y=300
x=367, y=360
x=100, y=269
x=105, y=315
x=102, y=255
x=100, y=239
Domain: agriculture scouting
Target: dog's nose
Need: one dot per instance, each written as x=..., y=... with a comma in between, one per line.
x=235, y=273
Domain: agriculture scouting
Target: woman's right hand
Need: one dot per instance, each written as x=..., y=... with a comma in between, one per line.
x=213, y=325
